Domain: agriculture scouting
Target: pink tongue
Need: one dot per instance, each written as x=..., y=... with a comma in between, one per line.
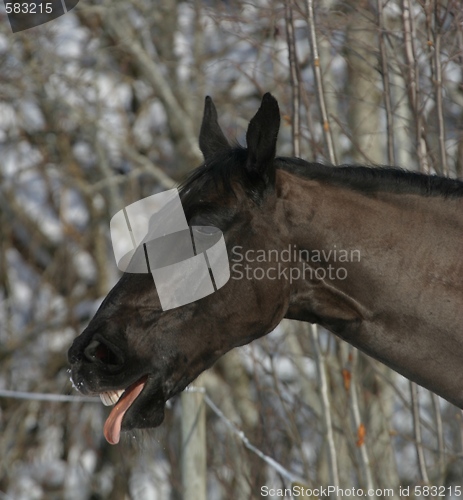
x=112, y=426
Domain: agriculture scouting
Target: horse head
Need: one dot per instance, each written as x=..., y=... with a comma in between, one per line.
x=139, y=355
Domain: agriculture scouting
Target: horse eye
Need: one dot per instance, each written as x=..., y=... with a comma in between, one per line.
x=206, y=230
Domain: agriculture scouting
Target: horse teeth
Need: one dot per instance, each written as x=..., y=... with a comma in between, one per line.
x=106, y=399
x=110, y=398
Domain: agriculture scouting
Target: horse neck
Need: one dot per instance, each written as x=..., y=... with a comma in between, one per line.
x=403, y=295
x=381, y=240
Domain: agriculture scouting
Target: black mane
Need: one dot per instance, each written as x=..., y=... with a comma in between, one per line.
x=224, y=168
x=375, y=178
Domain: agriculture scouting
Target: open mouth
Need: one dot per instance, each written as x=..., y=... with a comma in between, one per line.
x=122, y=401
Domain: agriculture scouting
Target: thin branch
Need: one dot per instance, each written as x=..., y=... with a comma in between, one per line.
x=326, y=405
x=414, y=82
x=353, y=141
x=417, y=432
x=354, y=405
x=439, y=434
x=386, y=85
x=113, y=196
x=294, y=79
x=438, y=90
x=149, y=167
x=319, y=82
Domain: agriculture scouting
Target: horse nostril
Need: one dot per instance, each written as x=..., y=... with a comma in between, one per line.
x=97, y=351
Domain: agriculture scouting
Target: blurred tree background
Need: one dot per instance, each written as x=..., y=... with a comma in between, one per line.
x=101, y=108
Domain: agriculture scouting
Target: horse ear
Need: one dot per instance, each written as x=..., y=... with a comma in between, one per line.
x=261, y=138
x=211, y=137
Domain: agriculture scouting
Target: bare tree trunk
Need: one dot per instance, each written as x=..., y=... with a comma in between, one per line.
x=363, y=87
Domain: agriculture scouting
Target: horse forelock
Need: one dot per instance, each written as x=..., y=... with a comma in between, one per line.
x=223, y=172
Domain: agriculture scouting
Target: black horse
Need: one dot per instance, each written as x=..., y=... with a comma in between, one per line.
x=372, y=254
